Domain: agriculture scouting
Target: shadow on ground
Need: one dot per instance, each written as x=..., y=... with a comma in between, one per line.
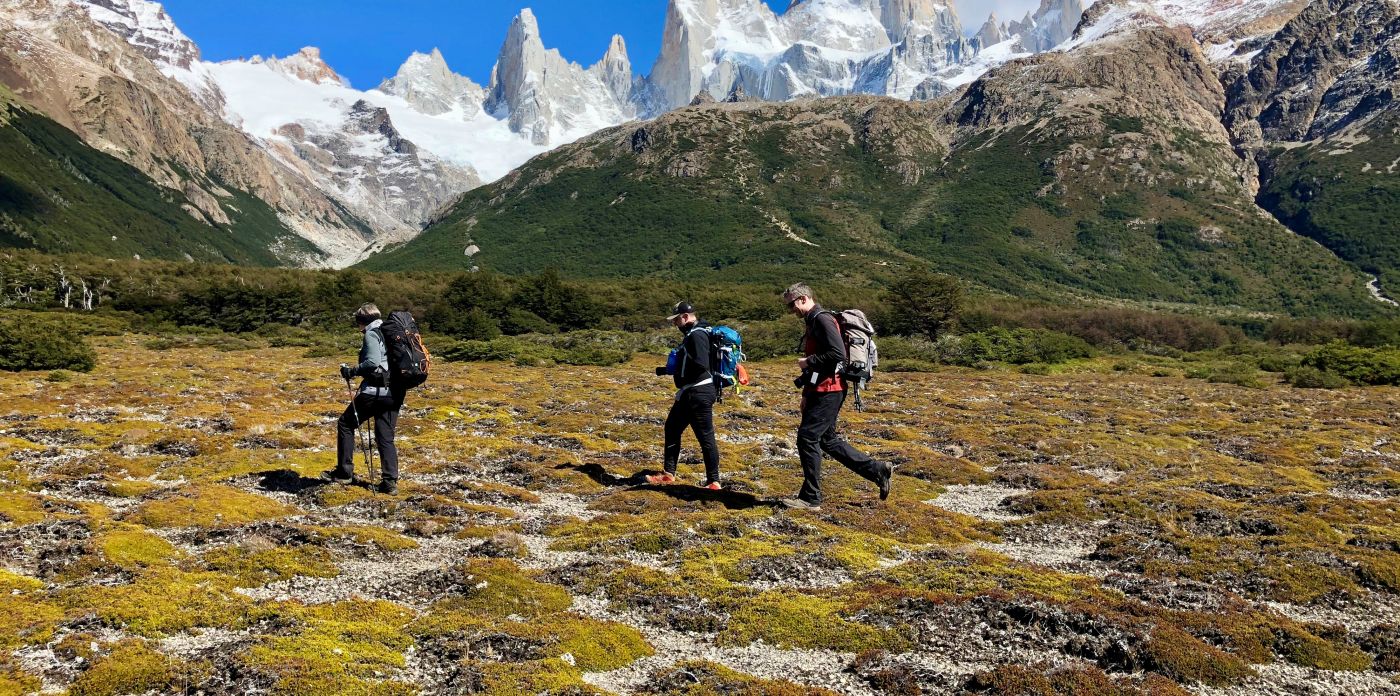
x=288, y=481
x=732, y=500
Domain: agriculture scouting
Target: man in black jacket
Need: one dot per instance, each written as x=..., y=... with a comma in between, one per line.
x=694, y=406
x=823, y=393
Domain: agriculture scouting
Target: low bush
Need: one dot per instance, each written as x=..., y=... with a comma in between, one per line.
x=37, y=345
x=1376, y=366
x=1013, y=346
x=1305, y=377
x=601, y=348
x=1238, y=373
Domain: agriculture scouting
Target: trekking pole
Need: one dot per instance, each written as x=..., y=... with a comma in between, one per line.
x=369, y=452
x=359, y=437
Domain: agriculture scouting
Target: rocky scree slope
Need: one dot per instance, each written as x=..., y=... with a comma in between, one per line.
x=1104, y=171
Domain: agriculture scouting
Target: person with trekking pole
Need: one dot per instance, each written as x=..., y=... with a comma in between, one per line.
x=374, y=400
x=823, y=393
x=694, y=404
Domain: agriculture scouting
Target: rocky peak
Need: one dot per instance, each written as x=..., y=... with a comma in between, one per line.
x=992, y=31
x=904, y=17
x=425, y=81
x=1054, y=23
x=146, y=26
x=307, y=65
x=615, y=69
x=547, y=97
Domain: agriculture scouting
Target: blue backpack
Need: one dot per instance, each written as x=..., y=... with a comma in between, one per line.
x=726, y=357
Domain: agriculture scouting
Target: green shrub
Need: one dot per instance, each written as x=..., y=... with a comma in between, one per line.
x=60, y=376
x=1013, y=346
x=1377, y=366
x=907, y=365
x=923, y=303
x=901, y=348
x=1278, y=363
x=1237, y=373
x=31, y=345
x=577, y=348
x=1305, y=377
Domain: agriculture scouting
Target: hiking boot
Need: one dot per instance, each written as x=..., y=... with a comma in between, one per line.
x=661, y=479
x=334, y=477
x=886, y=478
x=712, y=486
x=388, y=487
x=798, y=504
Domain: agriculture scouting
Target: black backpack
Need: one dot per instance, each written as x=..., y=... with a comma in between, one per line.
x=409, y=360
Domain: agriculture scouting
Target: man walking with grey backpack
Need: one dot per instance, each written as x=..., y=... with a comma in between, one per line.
x=824, y=387
x=376, y=399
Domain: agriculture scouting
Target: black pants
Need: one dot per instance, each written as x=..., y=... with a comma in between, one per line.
x=695, y=409
x=385, y=412
x=818, y=434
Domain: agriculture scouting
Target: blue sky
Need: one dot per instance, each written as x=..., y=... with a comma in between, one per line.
x=367, y=40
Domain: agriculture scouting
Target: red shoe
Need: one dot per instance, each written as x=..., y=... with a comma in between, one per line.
x=713, y=486
x=661, y=479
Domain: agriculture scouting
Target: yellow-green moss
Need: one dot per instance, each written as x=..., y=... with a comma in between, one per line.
x=26, y=617
x=14, y=682
x=793, y=620
x=129, y=488
x=345, y=647
x=251, y=567
x=1177, y=655
x=212, y=506
x=11, y=582
x=498, y=587
x=133, y=548
x=594, y=645
x=700, y=678
x=553, y=676
x=19, y=509
x=162, y=601
x=378, y=537
x=134, y=668
x=976, y=572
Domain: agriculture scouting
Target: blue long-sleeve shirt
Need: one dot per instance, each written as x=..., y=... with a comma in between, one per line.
x=374, y=358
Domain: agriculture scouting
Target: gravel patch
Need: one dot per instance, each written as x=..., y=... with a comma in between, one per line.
x=1284, y=678
x=979, y=500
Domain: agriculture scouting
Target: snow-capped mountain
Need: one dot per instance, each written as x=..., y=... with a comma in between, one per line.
x=425, y=82
x=394, y=154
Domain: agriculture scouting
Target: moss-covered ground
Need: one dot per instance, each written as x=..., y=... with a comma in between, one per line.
x=1103, y=529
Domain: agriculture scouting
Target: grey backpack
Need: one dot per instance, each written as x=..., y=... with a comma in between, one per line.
x=862, y=355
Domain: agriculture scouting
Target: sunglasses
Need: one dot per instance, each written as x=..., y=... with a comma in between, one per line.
x=793, y=303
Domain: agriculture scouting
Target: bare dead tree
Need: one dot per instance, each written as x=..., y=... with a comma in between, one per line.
x=64, y=292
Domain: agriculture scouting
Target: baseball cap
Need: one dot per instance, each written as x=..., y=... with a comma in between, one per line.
x=680, y=308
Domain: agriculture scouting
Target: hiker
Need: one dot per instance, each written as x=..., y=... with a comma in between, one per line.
x=374, y=399
x=823, y=393
x=694, y=405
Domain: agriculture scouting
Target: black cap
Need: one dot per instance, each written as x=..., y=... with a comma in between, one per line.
x=679, y=309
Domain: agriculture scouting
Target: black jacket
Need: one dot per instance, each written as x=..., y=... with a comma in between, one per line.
x=823, y=345
x=693, y=363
